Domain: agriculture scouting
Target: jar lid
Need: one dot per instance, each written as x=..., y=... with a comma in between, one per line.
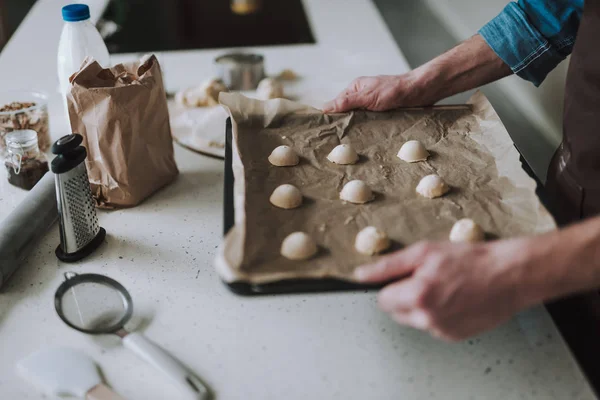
x=21, y=138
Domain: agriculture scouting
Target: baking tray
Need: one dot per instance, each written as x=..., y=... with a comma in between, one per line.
x=279, y=287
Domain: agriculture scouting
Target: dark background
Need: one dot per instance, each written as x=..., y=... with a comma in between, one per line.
x=161, y=25
x=12, y=13
x=193, y=24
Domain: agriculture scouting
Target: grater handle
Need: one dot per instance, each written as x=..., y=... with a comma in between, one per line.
x=67, y=143
x=102, y=392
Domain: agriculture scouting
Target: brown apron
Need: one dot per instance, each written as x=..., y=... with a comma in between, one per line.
x=573, y=183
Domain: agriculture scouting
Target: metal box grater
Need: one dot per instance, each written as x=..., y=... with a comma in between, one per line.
x=78, y=220
x=80, y=233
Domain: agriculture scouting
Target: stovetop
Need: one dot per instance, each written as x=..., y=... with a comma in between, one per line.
x=138, y=26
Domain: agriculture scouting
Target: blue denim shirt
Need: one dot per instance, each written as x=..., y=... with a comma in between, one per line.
x=533, y=36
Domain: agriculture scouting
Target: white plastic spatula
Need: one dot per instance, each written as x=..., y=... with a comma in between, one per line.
x=62, y=371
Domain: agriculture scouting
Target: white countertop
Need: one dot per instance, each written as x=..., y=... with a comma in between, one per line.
x=319, y=346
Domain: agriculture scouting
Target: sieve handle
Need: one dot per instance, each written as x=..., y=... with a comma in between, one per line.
x=158, y=357
x=102, y=392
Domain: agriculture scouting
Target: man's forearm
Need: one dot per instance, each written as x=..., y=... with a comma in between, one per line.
x=469, y=65
x=566, y=261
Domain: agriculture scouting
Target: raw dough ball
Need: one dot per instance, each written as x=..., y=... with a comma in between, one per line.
x=204, y=95
x=187, y=98
x=371, y=241
x=284, y=156
x=466, y=230
x=287, y=75
x=432, y=186
x=298, y=246
x=269, y=88
x=413, y=151
x=343, y=154
x=180, y=97
x=286, y=196
x=356, y=192
x=211, y=90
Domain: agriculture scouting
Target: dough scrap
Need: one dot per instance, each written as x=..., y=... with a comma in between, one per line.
x=371, y=241
x=287, y=75
x=284, y=156
x=269, y=88
x=432, y=186
x=286, y=196
x=205, y=95
x=343, y=154
x=413, y=151
x=298, y=246
x=357, y=192
x=466, y=230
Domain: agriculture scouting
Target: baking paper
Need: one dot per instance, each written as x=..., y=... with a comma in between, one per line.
x=470, y=149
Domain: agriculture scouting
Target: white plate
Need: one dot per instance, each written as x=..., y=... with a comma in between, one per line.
x=199, y=129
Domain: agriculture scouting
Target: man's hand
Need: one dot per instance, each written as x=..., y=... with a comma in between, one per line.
x=469, y=65
x=454, y=290
x=458, y=290
x=377, y=93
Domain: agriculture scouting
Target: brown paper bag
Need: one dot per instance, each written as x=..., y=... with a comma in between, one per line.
x=122, y=114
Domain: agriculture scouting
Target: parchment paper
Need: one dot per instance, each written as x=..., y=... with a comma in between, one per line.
x=470, y=149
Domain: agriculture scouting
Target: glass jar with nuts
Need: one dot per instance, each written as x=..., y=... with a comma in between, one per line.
x=24, y=110
x=24, y=162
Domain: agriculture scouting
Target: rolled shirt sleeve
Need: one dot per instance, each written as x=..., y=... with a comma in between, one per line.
x=533, y=36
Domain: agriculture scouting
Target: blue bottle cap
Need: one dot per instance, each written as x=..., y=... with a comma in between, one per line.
x=75, y=12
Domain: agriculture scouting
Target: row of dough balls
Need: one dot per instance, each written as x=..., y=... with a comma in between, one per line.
x=358, y=192
x=301, y=246
x=207, y=93
x=344, y=154
x=370, y=240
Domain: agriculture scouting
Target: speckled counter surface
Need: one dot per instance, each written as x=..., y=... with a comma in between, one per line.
x=320, y=346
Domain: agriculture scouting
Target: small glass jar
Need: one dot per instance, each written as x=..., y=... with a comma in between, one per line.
x=24, y=162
